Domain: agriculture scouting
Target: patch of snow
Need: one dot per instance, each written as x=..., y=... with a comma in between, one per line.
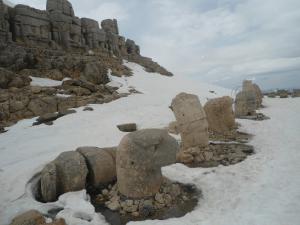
x=44, y=82
x=78, y=210
x=262, y=190
x=63, y=95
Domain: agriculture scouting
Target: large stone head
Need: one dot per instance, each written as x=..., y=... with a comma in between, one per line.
x=140, y=157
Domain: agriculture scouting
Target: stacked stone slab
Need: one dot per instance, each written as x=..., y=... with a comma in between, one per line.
x=31, y=25
x=140, y=157
x=193, y=127
x=93, y=36
x=5, y=34
x=66, y=28
x=220, y=115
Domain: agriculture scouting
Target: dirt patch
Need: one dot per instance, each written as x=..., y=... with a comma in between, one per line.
x=226, y=154
x=232, y=136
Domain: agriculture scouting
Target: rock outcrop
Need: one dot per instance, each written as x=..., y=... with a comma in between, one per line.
x=140, y=157
x=5, y=34
x=31, y=26
x=220, y=115
x=101, y=165
x=58, y=28
x=55, y=44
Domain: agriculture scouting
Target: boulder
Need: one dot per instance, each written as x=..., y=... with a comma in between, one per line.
x=101, y=166
x=40, y=106
x=140, y=157
x=70, y=175
x=127, y=127
x=95, y=73
x=220, y=115
x=31, y=217
x=9, y=79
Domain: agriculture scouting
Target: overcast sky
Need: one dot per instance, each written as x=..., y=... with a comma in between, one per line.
x=219, y=41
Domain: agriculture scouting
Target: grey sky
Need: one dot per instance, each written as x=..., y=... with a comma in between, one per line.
x=214, y=40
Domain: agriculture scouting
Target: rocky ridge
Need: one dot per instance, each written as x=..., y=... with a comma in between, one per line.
x=55, y=44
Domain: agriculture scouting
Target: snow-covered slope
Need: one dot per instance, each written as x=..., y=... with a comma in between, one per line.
x=262, y=190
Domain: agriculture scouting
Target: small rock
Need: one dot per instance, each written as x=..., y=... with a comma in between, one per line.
x=135, y=214
x=88, y=109
x=105, y=192
x=129, y=127
x=31, y=217
x=159, y=198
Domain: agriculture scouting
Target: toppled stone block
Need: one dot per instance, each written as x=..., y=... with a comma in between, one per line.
x=220, y=115
x=140, y=156
x=101, y=166
x=67, y=173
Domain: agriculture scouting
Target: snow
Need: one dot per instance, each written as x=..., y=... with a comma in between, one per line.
x=262, y=190
x=45, y=82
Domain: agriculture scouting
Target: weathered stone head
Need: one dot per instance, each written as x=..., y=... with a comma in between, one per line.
x=220, y=114
x=245, y=103
x=140, y=157
x=191, y=120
